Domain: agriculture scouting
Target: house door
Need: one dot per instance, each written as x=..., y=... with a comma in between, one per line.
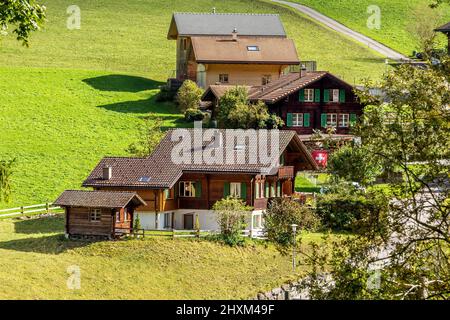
x=189, y=221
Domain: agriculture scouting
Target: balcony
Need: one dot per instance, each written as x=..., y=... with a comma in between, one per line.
x=286, y=172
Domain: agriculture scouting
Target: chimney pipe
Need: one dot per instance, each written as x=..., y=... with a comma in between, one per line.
x=234, y=34
x=303, y=71
x=107, y=173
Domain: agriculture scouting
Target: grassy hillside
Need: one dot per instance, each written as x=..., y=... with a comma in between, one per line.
x=396, y=15
x=35, y=258
x=76, y=96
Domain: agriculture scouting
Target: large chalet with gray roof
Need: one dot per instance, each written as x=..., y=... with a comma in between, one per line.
x=231, y=48
x=167, y=194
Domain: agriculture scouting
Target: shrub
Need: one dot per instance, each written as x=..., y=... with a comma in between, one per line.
x=279, y=217
x=165, y=94
x=351, y=212
x=194, y=114
x=137, y=223
x=189, y=95
x=231, y=216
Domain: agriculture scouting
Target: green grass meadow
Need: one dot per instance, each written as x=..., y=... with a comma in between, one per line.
x=75, y=96
x=396, y=15
x=35, y=258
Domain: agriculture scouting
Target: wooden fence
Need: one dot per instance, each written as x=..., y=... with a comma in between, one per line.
x=27, y=210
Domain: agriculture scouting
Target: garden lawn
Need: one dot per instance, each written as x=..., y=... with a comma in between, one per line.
x=76, y=96
x=35, y=258
x=305, y=183
x=396, y=15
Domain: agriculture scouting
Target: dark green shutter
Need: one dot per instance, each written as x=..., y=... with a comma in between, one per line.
x=166, y=194
x=342, y=95
x=198, y=189
x=278, y=189
x=301, y=96
x=226, y=190
x=306, y=120
x=282, y=159
x=289, y=120
x=267, y=190
x=352, y=119
x=317, y=95
x=244, y=190
x=323, y=120
x=272, y=189
x=326, y=95
x=176, y=188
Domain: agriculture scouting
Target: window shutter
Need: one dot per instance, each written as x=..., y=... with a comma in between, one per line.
x=166, y=193
x=198, y=189
x=176, y=189
x=301, y=96
x=326, y=95
x=226, y=190
x=267, y=190
x=342, y=95
x=317, y=95
x=323, y=120
x=352, y=119
x=257, y=189
x=278, y=189
x=289, y=120
x=272, y=189
x=244, y=190
x=306, y=121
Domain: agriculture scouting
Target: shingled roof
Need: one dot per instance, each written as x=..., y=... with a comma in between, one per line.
x=226, y=50
x=98, y=199
x=445, y=28
x=220, y=24
x=160, y=171
x=275, y=90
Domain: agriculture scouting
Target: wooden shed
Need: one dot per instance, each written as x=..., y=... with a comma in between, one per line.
x=99, y=213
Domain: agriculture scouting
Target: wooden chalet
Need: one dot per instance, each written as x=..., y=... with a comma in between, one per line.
x=250, y=49
x=304, y=100
x=175, y=196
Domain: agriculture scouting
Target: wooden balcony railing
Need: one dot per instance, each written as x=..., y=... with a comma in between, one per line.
x=286, y=172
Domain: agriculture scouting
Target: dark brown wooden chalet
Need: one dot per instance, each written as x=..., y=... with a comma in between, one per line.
x=174, y=195
x=305, y=101
x=98, y=213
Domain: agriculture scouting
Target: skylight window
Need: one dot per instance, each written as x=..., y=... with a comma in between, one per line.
x=144, y=179
x=252, y=48
x=239, y=147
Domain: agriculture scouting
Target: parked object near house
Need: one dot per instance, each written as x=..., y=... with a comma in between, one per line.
x=250, y=49
x=174, y=195
x=304, y=100
x=99, y=213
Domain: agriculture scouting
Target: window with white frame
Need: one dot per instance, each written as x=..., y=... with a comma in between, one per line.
x=95, y=215
x=235, y=189
x=334, y=95
x=117, y=216
x=257, y=221
x=344, y=120
x=331, y=119
x=167, y=220
x=297, y=119
x=187, y=189
x=309, y=95
x=223, y=78
x=125, y=215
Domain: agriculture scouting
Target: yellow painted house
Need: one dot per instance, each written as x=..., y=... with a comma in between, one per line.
x=233, y=49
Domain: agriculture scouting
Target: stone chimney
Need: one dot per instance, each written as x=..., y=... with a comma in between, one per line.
x=234, y=35
x=107, y=173
x=303, y=71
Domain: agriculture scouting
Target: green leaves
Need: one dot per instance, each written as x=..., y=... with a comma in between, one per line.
x=25, y=15
x=6, y=171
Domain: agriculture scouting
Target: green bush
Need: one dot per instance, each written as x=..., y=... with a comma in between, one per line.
x=194, y=114
x=165, y=94
x=351, y=212
x=189, y=95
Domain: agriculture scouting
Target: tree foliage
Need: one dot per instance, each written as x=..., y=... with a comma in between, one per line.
x=409, y=257
x=236, y=112
x=353, y=163
x=231, y=217
x=189, y=95
x=6, y=172
x=150, y=134
x=25, y=16
x=279, y=218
